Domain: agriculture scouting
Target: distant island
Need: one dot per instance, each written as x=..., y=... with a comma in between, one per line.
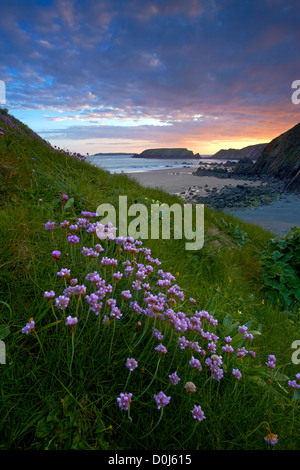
x=165, y=153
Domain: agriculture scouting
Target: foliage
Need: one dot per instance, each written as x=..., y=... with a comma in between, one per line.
x=281, y=264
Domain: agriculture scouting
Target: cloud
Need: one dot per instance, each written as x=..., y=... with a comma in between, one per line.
x=230, y=62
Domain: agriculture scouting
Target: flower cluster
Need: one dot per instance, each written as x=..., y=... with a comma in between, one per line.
x=271, y=361
x=131, y=364
x=152, y=293
x=29, y=327
x=124, y=401
x=161, y=400
x=198, y=413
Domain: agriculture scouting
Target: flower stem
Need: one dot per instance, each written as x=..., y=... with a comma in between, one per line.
x=151, y=380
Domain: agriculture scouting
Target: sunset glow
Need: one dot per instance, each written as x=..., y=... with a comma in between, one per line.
x=112, y=76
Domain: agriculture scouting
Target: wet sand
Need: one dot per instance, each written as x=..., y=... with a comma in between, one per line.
x=278, y=217
x=179, y=180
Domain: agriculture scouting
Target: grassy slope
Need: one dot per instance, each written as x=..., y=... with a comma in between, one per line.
x=42, y=405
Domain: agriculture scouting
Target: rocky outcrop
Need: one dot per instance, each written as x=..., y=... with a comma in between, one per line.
x=164, y=153
x=244, y=167
x=281, y=159
x=252, y=152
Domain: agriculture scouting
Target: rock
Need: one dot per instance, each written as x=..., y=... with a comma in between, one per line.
x=164, y=153
x=281, y=159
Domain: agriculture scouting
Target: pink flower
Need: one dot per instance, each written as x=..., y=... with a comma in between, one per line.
x=162, y=400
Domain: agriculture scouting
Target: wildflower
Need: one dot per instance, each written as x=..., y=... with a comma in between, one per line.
x=228, y=349
x=195, y=347
x=99, y=248
x=73, y=228
x=271, y=361
x=64, y=272
x=92, y=228
x=193, y=301
x=252, y=353
x=212, y=347
x=126, y=294
x=65, y=197
x=124, y=401
x=29, y=327
x=135, y=307
x=131, y=364
x=174, y=379
x=49, y=295
x=128, y=270
x=73, y=239
x=162, y=400
x=190, y=387
x=241, y=352
x=62, y=302
x=248, y=336
x=198, y=413
x=157, y=334
x=195, y=363
x=237, y=374
x=65, y=224
x=71, y=321
x=243, y=329
x=115, y=312
x=293, y=384
x=184, y=343
x=80, y=290
x=214, y=363
x=117, y=276
x=108, y=261
x=161, y=349
x=56, y=254
x=271, y=438
x=136, y=285
x=50, y=226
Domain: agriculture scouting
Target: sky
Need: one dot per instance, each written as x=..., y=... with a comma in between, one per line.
x=127, y=75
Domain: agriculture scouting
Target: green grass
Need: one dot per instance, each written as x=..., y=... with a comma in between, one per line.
x=59, y=391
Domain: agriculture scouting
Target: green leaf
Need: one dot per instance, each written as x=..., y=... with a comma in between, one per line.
x=69, y=203
x=4, y=331
x=227, y=320
x=43, y=428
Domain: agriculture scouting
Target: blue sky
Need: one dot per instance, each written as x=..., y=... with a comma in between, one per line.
x=126, y=75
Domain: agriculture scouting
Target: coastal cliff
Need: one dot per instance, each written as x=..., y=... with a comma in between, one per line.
x=281, y=159
x=164, y=153
x=251, y=151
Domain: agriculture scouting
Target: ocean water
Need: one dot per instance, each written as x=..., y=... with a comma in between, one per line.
x=125, y=163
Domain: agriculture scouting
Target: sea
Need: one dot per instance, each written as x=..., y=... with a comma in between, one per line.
x=127, y=164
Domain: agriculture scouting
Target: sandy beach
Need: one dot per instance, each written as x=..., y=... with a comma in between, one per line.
x=176, y=181
x=278, y=217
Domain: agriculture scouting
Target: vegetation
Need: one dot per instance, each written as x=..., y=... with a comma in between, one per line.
x=66, y=362
x=281, y=262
